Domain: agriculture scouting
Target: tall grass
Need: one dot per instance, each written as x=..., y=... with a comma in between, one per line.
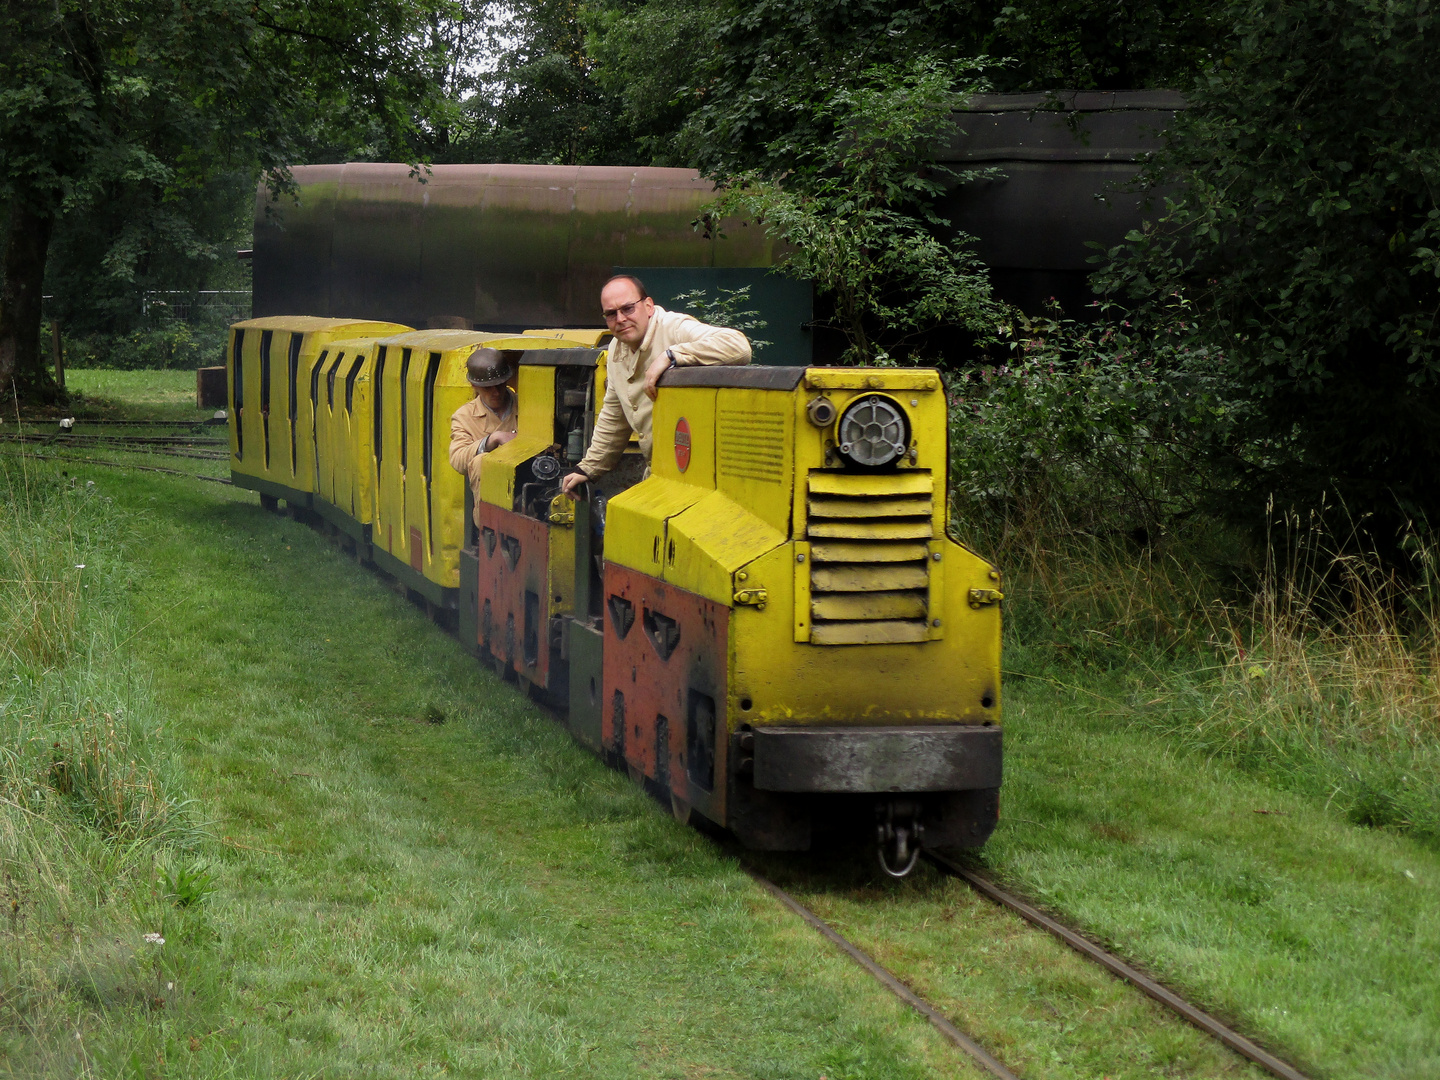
x=1327, y=677
x=90, y=811
x=1313, y=662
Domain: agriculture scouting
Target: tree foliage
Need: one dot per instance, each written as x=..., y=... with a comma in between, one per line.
x=855, y=212
x=1301, y=235
x=540, y=101
x=715, y=83
x=130, y=110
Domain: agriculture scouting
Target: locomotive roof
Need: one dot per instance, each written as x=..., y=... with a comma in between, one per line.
x=753, y=376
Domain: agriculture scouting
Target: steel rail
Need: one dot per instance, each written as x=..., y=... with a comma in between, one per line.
x=51, y=421
x=150, y=452
x=1246, y=1048
x=78, y=438
x=882, y=975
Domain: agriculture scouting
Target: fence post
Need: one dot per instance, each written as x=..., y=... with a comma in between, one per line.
x=57, y=350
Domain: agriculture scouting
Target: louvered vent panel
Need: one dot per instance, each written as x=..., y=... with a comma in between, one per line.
x=748, y=443
x=869, y=556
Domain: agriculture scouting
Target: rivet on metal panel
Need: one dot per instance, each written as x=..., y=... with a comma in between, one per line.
x=752, y=597
x=994, y=575
x=742, y=576
x=935, y=555
x=800, y=557
x=914, y=402
x=936, y=622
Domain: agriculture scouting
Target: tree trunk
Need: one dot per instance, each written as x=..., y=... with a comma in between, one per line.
x=23, y=370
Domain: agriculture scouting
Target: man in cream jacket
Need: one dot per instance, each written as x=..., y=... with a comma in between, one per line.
x=648, y=342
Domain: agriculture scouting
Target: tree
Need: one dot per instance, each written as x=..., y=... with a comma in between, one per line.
x=713, y=83
x=98, y=97
x=1302, y=248
x=542, y=104
x=855, y=213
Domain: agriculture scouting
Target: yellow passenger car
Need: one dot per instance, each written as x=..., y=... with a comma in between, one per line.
x=268, y=365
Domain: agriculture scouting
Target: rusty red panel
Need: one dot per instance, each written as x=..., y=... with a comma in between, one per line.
x=666, y=660
x=514, y=554
x=417, y=550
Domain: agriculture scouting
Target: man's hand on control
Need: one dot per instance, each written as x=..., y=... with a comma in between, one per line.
x=658, y=367
x=573, y=481
x=497, y=439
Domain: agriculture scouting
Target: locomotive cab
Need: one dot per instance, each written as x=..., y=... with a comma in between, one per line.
x=519, y=566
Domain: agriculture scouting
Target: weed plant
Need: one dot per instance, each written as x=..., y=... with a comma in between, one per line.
x=90, y=809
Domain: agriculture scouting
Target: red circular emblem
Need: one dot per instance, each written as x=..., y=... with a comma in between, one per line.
x=682, y=444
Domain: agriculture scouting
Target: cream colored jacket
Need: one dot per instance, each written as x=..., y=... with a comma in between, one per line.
x=470, y=426
x=627, y=408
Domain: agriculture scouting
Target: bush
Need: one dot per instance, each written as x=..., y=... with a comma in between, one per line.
x=169, y=345
x=1083, y=428
x=1303, y=229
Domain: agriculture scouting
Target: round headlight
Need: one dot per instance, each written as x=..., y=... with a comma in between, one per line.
x=872, y=432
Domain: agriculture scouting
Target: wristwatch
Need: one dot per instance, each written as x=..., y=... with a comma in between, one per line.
x=670, y=356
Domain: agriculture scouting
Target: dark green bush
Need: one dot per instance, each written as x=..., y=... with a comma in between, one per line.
x=169, y=345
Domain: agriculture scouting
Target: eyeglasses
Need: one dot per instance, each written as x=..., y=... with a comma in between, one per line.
x=624, y=309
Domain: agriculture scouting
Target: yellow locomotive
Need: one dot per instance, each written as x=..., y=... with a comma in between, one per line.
x=769, y=627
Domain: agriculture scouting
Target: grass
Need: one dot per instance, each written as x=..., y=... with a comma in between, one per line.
x=1327, y=681
x=379, y=894
x=159, y=395
x=91, y=792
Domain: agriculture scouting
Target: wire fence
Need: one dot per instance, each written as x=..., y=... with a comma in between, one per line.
x=224, y=305
x=187, y=305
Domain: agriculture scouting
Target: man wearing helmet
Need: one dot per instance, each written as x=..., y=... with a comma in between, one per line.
x=486, y=421
x=649, y=341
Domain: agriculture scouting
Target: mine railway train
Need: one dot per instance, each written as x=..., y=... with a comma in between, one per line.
x=771, y=628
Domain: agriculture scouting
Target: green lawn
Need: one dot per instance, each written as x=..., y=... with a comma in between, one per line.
x=160, y=395
x=480, y=897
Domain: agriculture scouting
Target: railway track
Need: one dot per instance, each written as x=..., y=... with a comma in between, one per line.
x=1224, y=1034
x=50, y=422
x=204, y=449
x=190, y=447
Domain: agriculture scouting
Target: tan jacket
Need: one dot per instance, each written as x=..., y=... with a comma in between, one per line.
x=627, y=408
x=469, y=427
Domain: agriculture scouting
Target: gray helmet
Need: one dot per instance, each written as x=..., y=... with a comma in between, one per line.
x=488, y=367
